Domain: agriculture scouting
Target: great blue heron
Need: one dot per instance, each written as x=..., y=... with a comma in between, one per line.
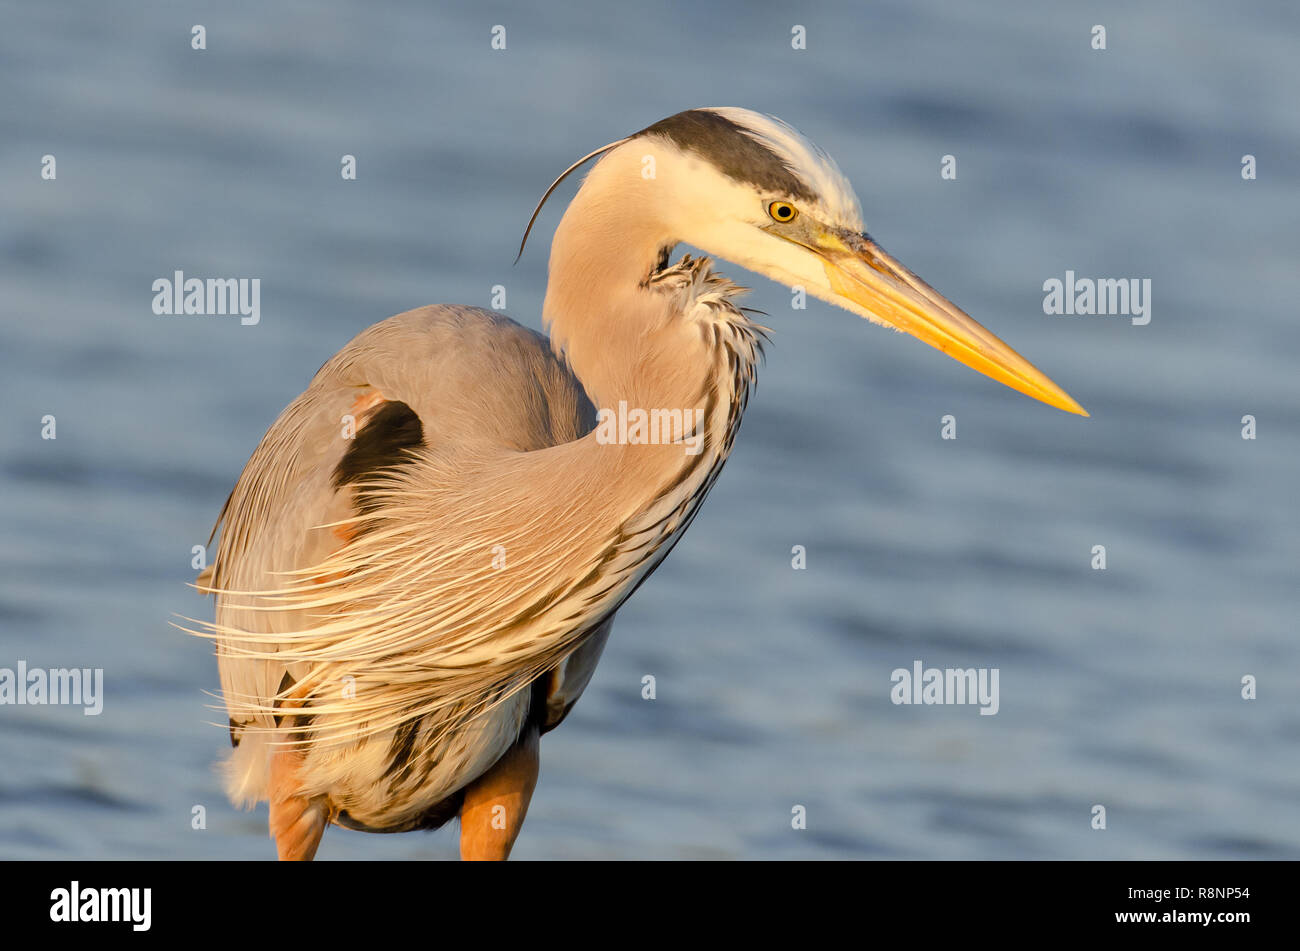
x=419, y=566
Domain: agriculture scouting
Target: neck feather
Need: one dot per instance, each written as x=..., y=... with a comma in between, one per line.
x=642, y=337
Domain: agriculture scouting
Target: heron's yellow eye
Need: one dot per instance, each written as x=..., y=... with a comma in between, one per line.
x=782, y=211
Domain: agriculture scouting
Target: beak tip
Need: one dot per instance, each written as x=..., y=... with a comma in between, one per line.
x=1072, y=406
x=1067, y=404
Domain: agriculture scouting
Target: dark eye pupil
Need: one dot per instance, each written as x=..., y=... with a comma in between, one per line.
x=783, y=211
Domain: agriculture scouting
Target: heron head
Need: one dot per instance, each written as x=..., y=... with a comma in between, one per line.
x=750, y=189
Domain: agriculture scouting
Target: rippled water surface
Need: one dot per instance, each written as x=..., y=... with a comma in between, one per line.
x=1118, y=687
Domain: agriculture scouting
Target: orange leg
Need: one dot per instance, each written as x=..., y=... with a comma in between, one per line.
x=496, y=803
x=297, y=823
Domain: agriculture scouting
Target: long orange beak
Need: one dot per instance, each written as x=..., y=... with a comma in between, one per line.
x=869, y=280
